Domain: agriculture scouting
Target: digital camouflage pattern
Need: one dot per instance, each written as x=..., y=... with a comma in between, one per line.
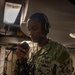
x=53, y=59
x=21, y=67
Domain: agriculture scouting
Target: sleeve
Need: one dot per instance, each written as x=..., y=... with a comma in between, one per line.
x=63, y=61
x=15, y=69
x=62, y=57
x=66, y=68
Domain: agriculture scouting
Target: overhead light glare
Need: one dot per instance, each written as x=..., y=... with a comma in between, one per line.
x=11, y=12
x=72, y=35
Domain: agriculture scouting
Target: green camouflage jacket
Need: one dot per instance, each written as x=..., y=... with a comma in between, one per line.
x=52, y=59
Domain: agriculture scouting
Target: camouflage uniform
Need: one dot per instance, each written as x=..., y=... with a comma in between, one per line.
x=52, y=59
x=21, y=67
